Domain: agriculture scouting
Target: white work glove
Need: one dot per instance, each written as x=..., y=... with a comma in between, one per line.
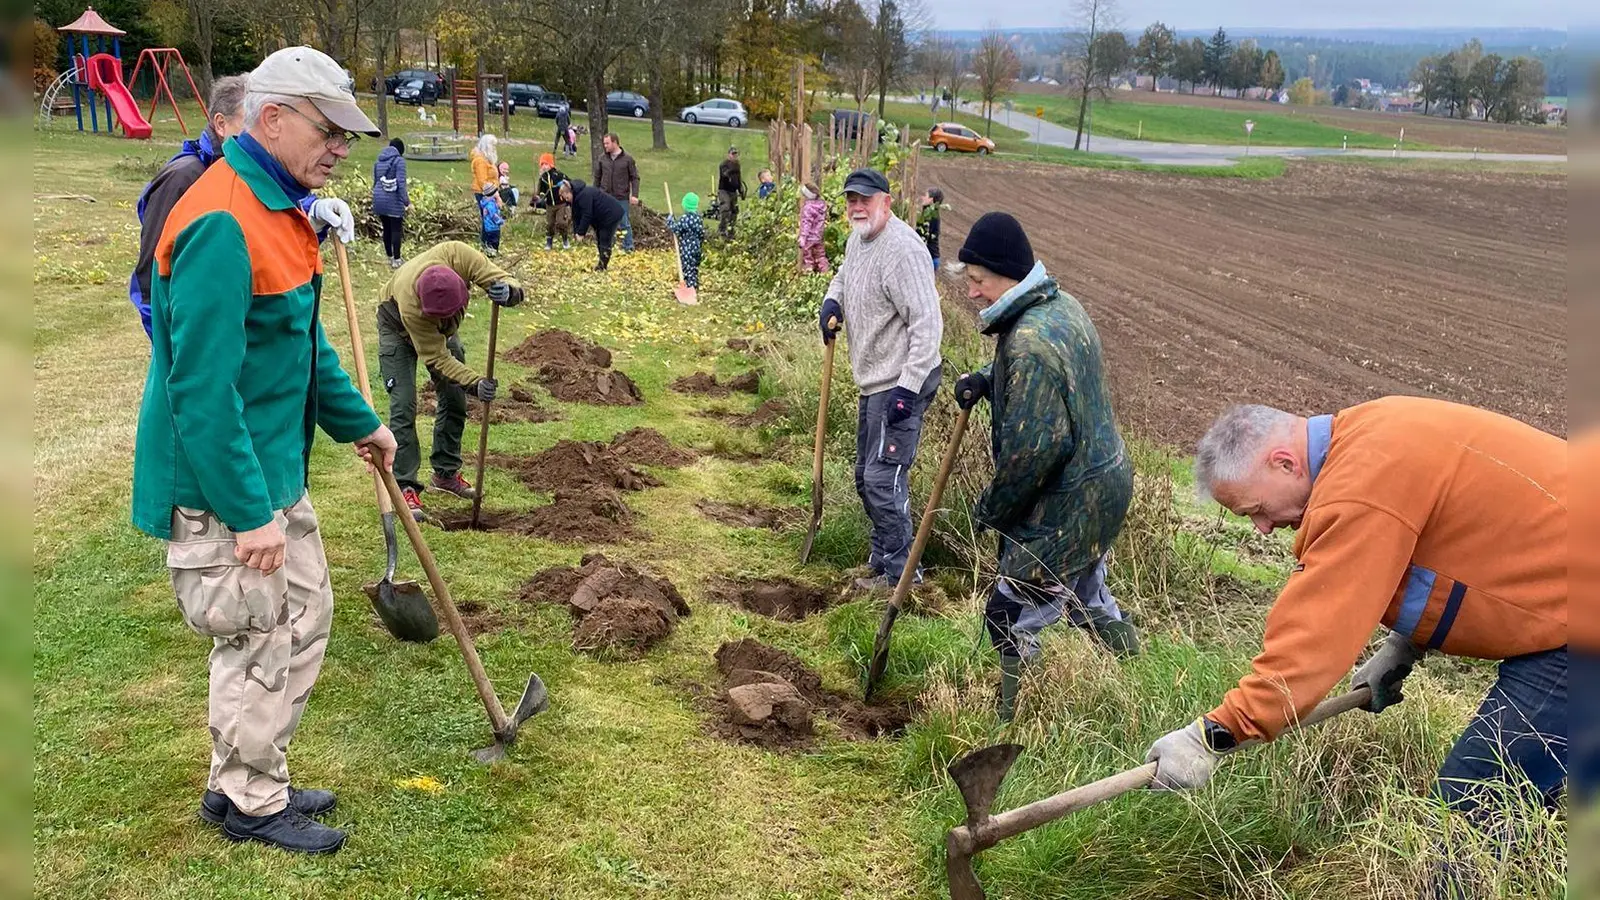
x=334, y=213
x=1387, y=668
x=1183, y=760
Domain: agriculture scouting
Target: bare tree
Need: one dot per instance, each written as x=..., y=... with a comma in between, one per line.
x=997, y=68
x=941, y=64
x=895, y=26
x=1092, y=17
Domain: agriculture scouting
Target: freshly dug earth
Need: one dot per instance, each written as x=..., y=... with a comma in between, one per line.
x=589, y=384
x=765, y=414
x=741, y=515
x=590, y=514
x=556, y=347
x=776, y=598
x=740, y=344
x=705, y=383
x=1209, y=291
x=616, y=606
x=573, y=464
x=700, y=383
x=770, y=699
x=649, y=447
x=516, y=405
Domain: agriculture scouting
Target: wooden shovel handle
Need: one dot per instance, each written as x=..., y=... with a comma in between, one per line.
x=483, y=430
x=359, y=351
x=822, y=412
x=452, y=616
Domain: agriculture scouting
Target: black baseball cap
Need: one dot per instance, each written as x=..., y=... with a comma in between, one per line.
x=866, y=182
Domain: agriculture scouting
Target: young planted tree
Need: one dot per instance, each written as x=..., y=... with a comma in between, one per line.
x=1156, y=52
x=997, y=67
x=1093, y=17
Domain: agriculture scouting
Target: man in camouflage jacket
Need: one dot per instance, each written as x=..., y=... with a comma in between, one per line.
x=1063, y=478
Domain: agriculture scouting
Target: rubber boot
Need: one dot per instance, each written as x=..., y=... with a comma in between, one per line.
x=1010, y=681
x=1119, y=636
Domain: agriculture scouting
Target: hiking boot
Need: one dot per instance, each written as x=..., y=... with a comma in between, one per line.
x=549, y=245
x=395, y=263
x=566, y=245
x=214, y=805
x=289, y=829
x=413, y=503
x=454, y=484
x=884, y=582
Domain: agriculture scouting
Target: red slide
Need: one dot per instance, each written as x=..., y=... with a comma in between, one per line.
x=105, y=75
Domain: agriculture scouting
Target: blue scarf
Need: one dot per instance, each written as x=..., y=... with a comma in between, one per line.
x=294, y=190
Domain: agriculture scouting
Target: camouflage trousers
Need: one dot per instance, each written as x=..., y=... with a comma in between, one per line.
x=269, y=634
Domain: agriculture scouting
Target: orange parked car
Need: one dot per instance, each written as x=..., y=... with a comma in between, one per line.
x=950, y=136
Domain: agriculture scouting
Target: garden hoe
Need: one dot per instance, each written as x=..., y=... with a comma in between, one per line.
x=979, y=774
x=684, y=294
x=816, y=450
x=880, y=643
x=483, y=431
x=535, y=699
x=402, y=606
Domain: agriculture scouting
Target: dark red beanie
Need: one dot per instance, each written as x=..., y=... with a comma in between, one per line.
x=443, y=293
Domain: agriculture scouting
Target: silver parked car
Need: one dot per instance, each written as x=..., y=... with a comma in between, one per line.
x=715, y=112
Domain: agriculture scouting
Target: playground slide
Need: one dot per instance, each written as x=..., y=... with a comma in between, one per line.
x=105, y=74
x=133, y=124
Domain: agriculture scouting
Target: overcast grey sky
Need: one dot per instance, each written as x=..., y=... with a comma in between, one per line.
x=1238, y=14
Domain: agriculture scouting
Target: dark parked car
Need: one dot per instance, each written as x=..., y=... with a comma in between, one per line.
x=433, y=83
x=850, y=122
x=550, y=104
x=491, y=101
x=627, y=103
x=415, y=93
x=524, y=95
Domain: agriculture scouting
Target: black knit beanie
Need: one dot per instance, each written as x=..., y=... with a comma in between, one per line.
x=998, y=243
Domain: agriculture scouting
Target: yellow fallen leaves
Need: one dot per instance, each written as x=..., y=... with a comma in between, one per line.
x=425, y=784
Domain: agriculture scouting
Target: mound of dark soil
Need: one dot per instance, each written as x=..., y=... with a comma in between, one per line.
x=574, y=464
x=649, y=447
x=616, y=606
x=766, y=414
x=562, y=348
x=770, y=698
x=588, y=514
x=589, y=384
x=740, y=344
x=742, y=515
x=775, y=598
x=707, y=384
x=515, y=405
x=700, y=383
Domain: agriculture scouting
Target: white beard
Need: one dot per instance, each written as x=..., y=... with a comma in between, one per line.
x=862, y=227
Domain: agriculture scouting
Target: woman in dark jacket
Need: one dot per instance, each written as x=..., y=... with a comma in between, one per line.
x=390, y=198
x=592, y=206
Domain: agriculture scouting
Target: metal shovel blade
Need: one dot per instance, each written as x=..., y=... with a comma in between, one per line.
x=686, y=295
x=880, y=648
x=404, y=610
x=978, y=775
x=535, y=700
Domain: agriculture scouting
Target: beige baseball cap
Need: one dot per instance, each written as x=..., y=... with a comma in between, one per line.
x=312, y=74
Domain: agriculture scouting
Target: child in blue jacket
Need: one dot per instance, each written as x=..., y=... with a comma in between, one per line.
x=691, y=232
x=493, y=218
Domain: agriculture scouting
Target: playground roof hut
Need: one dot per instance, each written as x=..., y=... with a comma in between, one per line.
x=91, y=23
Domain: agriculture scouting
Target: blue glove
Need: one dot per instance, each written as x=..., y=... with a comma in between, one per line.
x=971, y=388
x=902, y=403
x=830, y=310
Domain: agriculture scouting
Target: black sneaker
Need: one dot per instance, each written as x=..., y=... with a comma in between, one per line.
x=289, y=829
x=214, y=805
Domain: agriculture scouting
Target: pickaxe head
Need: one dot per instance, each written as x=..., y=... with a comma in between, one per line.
x=535, y=700
x=978, y=775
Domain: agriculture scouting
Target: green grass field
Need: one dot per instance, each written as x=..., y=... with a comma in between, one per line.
x=619, y=790
x=1201, y=125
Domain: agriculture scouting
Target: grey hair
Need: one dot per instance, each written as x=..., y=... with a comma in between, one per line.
x=227, y=95
x=256, y=101
x=1235, y=443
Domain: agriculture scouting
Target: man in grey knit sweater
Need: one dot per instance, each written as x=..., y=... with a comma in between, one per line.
x=884, y=292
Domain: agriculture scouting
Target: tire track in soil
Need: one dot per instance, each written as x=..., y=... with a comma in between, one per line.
x=1318, y=290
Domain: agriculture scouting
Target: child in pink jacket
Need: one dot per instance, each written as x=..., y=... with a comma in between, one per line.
x=813, y=216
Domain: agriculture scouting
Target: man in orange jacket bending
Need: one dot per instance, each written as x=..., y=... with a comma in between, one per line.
x=1446, y=524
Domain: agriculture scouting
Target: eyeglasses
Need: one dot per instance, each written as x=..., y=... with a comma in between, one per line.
x=335, y=139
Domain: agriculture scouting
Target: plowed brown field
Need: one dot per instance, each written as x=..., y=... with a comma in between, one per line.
x=1329, y=286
